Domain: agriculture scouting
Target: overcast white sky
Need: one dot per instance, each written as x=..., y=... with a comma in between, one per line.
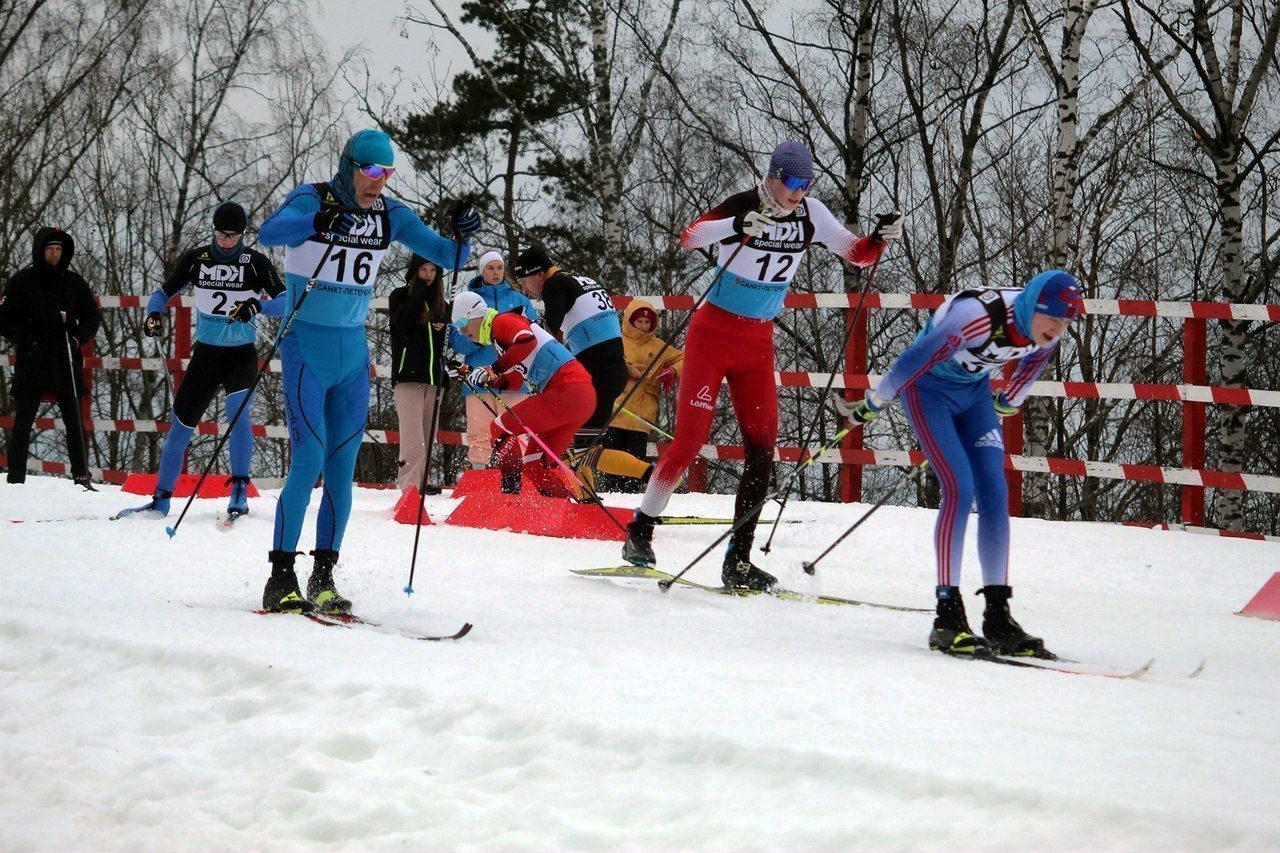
x=392, y=48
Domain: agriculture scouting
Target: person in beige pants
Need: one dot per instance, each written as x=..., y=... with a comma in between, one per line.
x=418, y=316
x=491, y=286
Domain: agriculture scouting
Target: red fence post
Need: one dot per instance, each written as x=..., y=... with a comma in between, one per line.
x=855, y=361
x=1013, y=445
x=697, y=479
x=1195, y=345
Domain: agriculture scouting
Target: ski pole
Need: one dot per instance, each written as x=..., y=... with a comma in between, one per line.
x=164, y=364
x=431, y=437
x=812, y=458
x=275, y=344
x=84, y=443
x=659, y=430
x=666, y=345
x=822, y=399
x=913, y=476
x=422, y=487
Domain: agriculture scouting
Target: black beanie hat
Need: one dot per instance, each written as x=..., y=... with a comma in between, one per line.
x=532, y=261
x=230, y=216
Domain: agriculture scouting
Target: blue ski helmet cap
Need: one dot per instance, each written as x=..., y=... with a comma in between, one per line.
x=791, y=159
x=362, y=149
x=1052, y=292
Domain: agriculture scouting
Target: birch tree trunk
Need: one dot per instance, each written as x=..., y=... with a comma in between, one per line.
x=1037, y=499
x=1222, y=137
x=610, y=190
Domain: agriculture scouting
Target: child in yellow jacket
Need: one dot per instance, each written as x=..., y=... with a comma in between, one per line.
x=631, y=427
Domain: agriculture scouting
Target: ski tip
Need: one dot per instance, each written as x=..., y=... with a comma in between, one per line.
x=172, y=533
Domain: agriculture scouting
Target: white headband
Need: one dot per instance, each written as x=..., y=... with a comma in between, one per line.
x=489, y=256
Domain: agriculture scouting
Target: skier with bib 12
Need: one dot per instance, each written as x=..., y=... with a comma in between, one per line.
x=762, y=235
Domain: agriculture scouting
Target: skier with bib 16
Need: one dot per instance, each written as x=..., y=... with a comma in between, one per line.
x=336, y=233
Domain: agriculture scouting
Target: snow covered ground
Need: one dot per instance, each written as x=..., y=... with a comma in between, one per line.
x=143, y=707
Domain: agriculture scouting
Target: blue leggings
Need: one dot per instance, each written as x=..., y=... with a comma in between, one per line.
x=326, y=387
x=239, y=444
x=959, y=432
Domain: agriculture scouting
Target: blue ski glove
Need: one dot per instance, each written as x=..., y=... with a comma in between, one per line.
x=465, y=219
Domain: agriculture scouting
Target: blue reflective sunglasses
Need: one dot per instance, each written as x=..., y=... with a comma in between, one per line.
x=794, y=184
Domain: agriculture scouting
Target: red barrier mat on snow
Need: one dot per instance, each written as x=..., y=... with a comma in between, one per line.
x=406, y=511
x=215, y=486
x=1266, y=604
x=478, y=481
x=532, y=513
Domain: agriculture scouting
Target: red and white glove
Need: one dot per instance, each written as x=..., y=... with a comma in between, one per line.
x=666, y=377
x=481, y=377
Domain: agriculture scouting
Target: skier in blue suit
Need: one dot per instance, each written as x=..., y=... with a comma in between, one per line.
x=943, y=378
x=343, y=227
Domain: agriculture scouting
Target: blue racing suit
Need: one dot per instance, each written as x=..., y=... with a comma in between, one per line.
x=324, y=352
x=943, y=378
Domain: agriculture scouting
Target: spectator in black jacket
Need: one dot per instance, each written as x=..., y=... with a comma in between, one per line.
x=48, y=312
x=418, y=318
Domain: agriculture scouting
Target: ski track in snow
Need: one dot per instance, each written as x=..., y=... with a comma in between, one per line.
x=142, y=706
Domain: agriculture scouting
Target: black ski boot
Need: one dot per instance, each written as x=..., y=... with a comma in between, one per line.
x=738, y=570
x=951, y=633
x=746, y=575
x=281, y=594
x=638, y=549
x=1004, y=635
x=320, y=588
x=506, y=457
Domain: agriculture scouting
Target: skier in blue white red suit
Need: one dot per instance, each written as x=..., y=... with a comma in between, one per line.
x=943, y=379
x=564, y=398
x=731, y=338
x=350, y=224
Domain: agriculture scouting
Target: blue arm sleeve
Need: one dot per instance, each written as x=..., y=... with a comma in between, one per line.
x=944, y=340
x=158, y=303
x=290, y=224
x=274, y=307
x=409, y=229
x=530, y=310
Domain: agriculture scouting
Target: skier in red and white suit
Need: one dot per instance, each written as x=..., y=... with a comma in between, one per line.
x=763, y=234
x=564, y=400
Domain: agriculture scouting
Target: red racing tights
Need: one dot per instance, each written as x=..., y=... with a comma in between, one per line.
x=723, y=346
x=554, y=415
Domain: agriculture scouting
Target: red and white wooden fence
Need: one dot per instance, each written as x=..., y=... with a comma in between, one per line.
x=1193, y=393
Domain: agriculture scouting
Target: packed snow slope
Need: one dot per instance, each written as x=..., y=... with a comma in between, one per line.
x=143, y=706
